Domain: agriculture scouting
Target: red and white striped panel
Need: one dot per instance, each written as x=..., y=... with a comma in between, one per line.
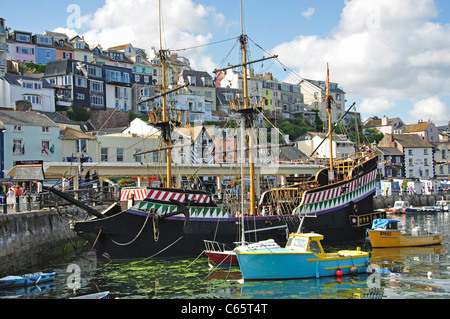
x=181, y=197
x=337, y=191
x=139, y=194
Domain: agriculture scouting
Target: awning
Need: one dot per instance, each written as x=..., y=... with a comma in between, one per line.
x=27, y=172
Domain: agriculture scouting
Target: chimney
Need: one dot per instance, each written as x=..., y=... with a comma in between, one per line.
x=384, y=120
x=391, y=140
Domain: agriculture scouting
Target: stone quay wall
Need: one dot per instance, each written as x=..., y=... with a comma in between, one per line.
x=27, y=237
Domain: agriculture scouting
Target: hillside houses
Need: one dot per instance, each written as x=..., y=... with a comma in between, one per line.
x=110, y=84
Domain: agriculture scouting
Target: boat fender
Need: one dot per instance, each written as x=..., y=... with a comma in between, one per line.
x=339, y=273
x=353, y=270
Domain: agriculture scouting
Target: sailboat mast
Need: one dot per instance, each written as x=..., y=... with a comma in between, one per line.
x=165, y=117
x=243, y=41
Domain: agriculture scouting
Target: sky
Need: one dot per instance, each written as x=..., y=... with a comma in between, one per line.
x=391, y=57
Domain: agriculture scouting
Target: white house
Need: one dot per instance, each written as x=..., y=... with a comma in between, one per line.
x=418, y=153
x=36, y=90
x=342, y=146
x=29, y=136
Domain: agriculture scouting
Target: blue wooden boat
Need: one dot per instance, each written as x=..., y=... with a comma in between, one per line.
x=26, y=279
x=303, y=257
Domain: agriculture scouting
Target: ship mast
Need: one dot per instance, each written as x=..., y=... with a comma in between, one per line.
x=248, y=112
x=328, y=102
x=165, y=125
x=248, y=119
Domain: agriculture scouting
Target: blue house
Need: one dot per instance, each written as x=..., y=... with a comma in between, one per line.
x=45, y=51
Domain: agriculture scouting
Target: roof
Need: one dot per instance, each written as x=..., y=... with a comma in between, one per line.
x=411, y=141
x=13, y=79
x=388, y=151
x=419, y=127
x=59, y=118
x=70, y=133
x=291, y=153
x=119, y=47
x=25, y=118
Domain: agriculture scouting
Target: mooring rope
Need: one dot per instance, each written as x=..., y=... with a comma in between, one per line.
x=135, y=262
x=93, y=245
x=137, y=235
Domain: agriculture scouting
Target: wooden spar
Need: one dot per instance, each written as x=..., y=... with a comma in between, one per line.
x=161, y=149
x=245, y=64
x=163, y=94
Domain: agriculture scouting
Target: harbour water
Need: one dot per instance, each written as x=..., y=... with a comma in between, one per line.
x=406, y=273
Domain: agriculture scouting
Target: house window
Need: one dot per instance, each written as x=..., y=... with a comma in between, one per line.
x=96, y=86
x=126, y=78
x=104, y=154
x=80, y=96
x=425, y=151
x=18, y=148
x=81, y=82
x=119, y=154
x=138, y=158
x=45, y=129
x=34, y=99
x=67, y=55
x=410, y=152
x=23, y=37
x=67, y=80
x=96, y=100
x=94, y=71
x=81, y=146
x=22, y=50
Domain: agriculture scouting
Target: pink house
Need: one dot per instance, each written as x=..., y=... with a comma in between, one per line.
x=427, y=130
x=22, y=47
x=225, y=150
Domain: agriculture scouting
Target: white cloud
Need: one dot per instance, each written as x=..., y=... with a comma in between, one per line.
x=308, y=13
x=381, y=50
x=431, y=109
x=376, y=105
x=185, y=25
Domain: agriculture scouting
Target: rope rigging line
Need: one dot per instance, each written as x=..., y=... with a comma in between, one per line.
x=137, y=235
x=204, y=45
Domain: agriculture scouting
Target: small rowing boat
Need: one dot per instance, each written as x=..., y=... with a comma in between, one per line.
x=385, y=233
x=98, y=295
x=26, y=279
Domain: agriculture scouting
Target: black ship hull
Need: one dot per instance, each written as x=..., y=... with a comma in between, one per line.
x=176, y=222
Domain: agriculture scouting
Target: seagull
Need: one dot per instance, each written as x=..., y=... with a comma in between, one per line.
x=430, y=275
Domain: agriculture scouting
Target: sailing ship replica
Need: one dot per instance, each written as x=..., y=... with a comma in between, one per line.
x=175, y=222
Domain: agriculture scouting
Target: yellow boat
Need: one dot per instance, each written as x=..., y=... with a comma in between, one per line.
x=385, y=233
